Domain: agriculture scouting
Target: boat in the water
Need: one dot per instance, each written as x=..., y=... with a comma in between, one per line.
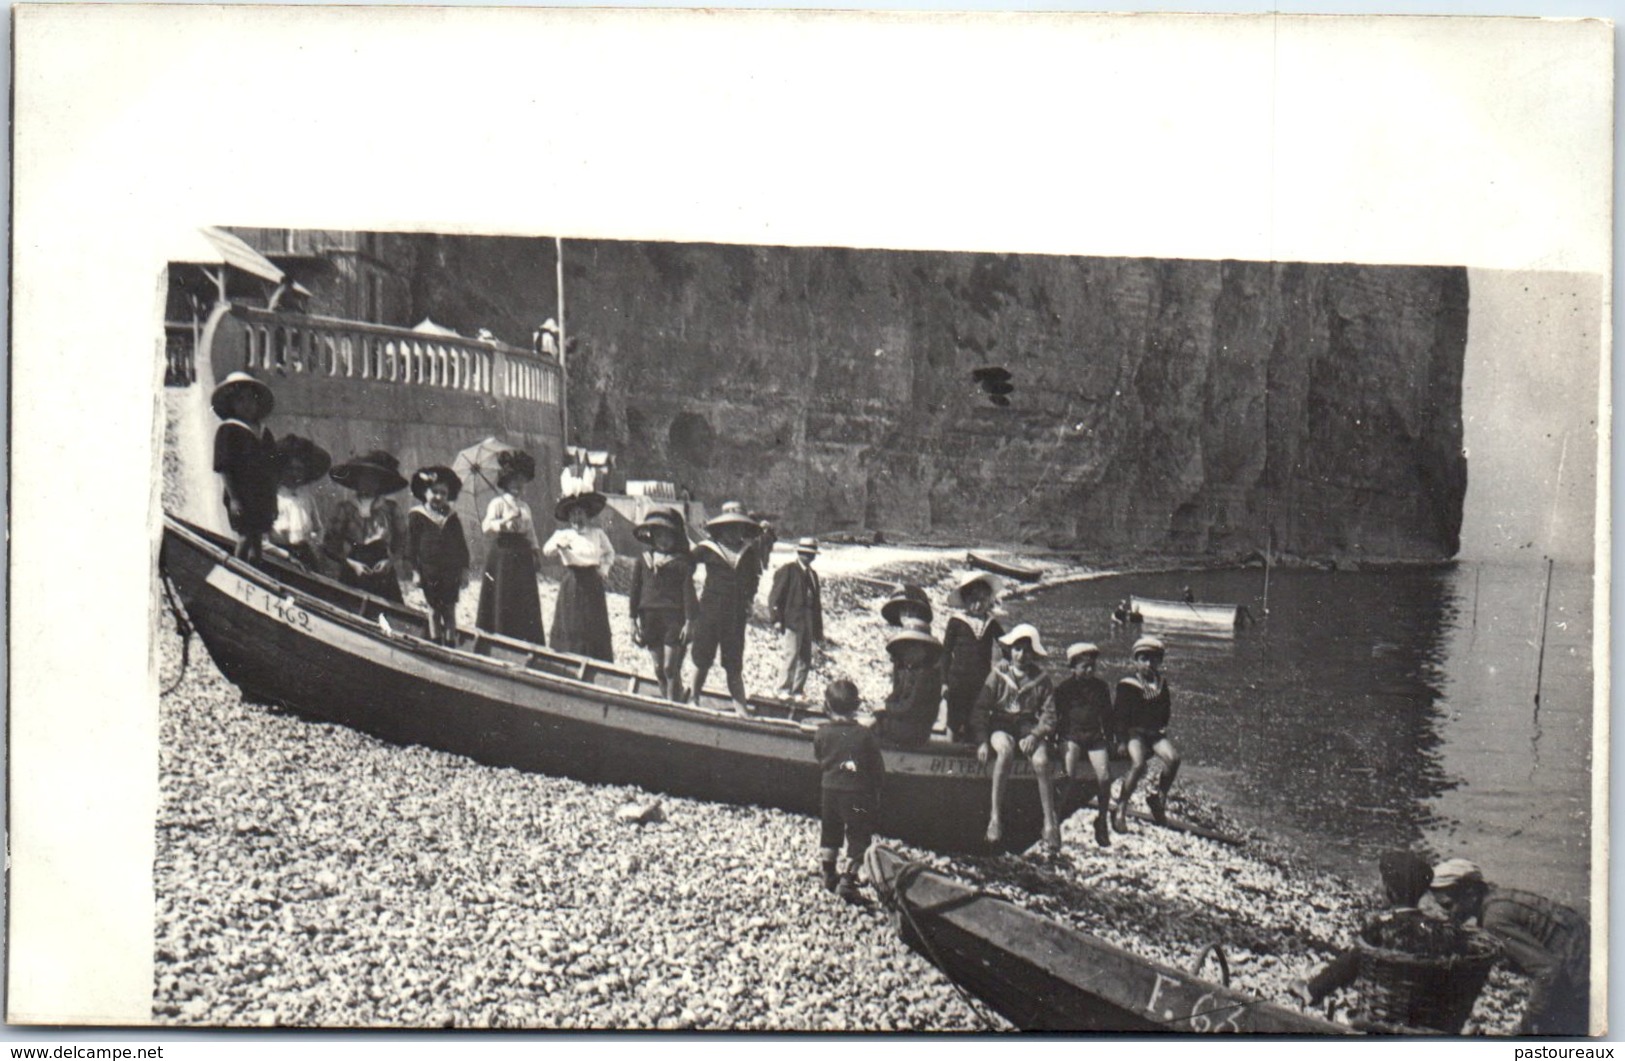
x=1042, y=975
x=322, y=649
x=1197, y=614
x=1019, y=572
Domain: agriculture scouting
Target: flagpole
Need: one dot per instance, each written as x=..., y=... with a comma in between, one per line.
x=564, y=370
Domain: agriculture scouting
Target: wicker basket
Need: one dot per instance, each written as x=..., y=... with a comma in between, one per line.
x=1402, y=989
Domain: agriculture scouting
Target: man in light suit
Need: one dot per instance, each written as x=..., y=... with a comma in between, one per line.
x=798, y=616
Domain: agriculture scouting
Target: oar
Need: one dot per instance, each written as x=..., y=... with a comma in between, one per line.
x=1179, y=825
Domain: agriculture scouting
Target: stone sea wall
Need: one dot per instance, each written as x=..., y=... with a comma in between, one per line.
x=1186, y=407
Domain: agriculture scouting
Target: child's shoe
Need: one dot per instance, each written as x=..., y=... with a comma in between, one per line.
x=1103, y=835
x=831, y=879
x=848, y=889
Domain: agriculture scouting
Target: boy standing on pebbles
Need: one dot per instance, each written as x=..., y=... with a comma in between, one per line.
x=852, y=764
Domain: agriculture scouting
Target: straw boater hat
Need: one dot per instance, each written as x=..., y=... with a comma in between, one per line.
x=807, y=547
x=1028, y=632
x=592, y=502
x=659, y=519
x=915, y=632
x=424, y=478
x=1081, y=648
x=312, y=457
x=908, y=596
x=956, y=596
x=385, y=465
x=231, y=385
x=1152, y=645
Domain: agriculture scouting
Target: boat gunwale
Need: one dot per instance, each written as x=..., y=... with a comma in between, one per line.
x=542, y=680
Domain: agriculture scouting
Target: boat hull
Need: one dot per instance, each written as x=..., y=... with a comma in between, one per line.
x=1042, y=975
x=326, y=655
x=1000, y=567
x=1211, y=617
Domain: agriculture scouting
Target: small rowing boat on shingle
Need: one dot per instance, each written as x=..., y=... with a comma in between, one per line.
x=1019, y=572
x=1042, y=975
x=327, y=651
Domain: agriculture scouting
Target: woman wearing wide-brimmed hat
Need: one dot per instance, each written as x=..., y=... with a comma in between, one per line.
x=662, y=597
x=510, y=603
x=298, y=530
x=731, y=575
x=1143, y=708
x=245, y=457
x=967, y=648
x=916, y=685
x=368, y=534
x=436, y=549
x=1015, y=712
x=581, y=614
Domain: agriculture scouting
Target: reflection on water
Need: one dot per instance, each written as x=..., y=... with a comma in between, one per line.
x=1382, y=709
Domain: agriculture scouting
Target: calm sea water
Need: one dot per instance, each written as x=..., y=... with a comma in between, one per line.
x=1372, y=710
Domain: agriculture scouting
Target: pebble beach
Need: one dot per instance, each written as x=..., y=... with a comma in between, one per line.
x=308, y=875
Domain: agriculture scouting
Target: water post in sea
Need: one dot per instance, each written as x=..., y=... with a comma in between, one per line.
x=1540, y=659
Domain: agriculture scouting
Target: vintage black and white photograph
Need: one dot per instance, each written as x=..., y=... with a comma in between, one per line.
x=561, y=628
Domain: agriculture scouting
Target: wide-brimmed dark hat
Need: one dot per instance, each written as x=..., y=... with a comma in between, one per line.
x=435, y=474
x=515, y=462
x=314, y=459
x=915, y=632
x=734, y=519
x=591, y=502
x=384, y=464
x=656, y=520
x=220, y=400
x=908, y=597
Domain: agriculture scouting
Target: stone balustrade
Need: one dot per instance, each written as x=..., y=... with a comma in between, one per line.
x=290, y=345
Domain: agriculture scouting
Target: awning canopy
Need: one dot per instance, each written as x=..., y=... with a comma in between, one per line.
x=213, y=246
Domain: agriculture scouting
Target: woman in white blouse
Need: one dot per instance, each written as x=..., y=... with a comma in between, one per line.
x=581, y=619
x=509, y=601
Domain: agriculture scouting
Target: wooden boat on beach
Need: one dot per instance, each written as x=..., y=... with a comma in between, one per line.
x=1042, y=975
x=324, y=650
x=1201, y=615
x=1019, y=572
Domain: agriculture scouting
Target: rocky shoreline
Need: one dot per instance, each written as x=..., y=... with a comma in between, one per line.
x=309, y=875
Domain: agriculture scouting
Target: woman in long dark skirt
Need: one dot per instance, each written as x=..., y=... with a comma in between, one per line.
x=367, y=535
x=509, y=601
x=581, y=617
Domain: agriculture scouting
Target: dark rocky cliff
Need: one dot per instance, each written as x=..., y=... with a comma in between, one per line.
x=1181, y=406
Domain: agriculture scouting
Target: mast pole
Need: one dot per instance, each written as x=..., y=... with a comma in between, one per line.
x=564, y=369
